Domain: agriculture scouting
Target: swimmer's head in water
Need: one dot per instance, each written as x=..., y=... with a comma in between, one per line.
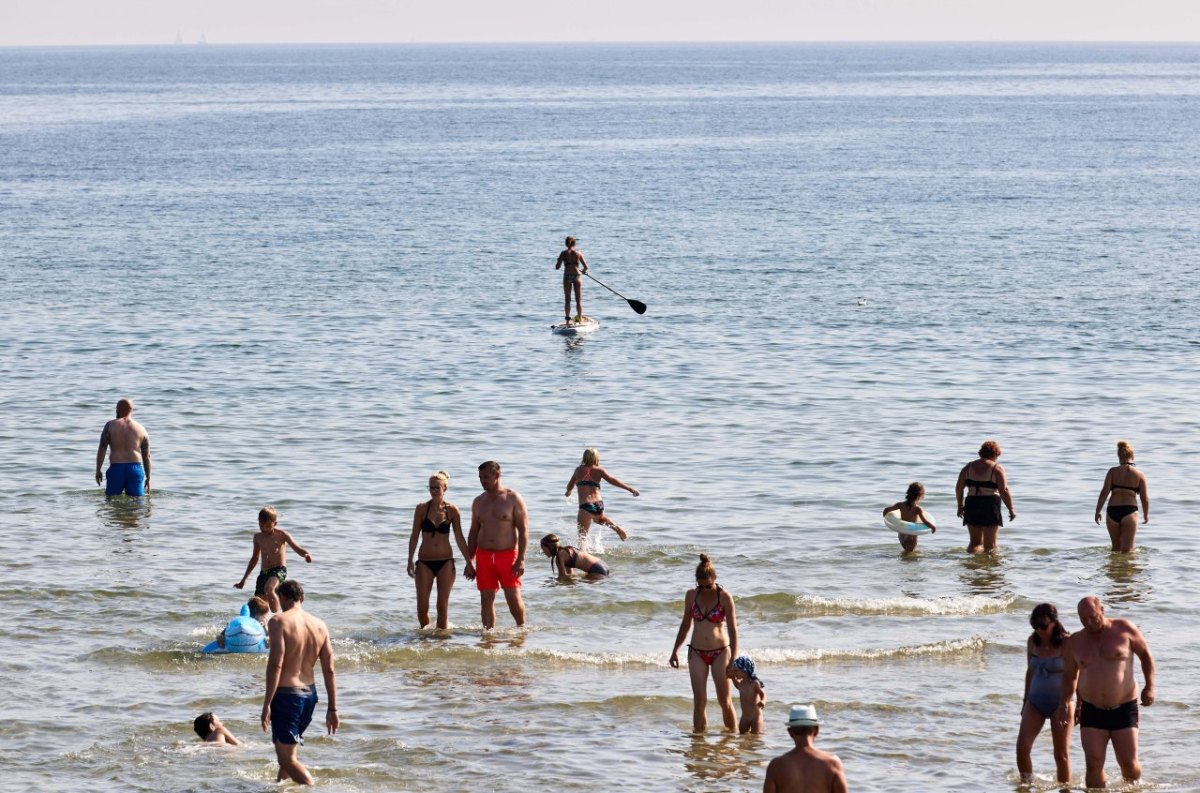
x=203, y=725
x=267, y=517
x=550, y=544
x=124, y=407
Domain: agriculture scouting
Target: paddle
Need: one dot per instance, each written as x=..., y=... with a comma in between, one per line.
x=636, y=305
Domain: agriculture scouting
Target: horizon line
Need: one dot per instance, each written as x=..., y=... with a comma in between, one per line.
x=586, y=42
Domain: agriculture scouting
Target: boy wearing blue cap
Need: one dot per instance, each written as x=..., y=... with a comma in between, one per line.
x=754, y=698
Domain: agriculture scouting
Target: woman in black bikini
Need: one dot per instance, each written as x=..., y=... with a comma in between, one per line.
x=432, y=522
x=587, y=477
x=565, y=558
x=708, y=609
x=1122, y=487
x=985, y=486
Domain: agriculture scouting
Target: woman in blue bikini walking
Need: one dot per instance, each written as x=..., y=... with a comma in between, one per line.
x=587, y=478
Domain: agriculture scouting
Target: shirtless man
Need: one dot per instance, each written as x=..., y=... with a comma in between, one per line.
x=571, y=261
x=496, y=544
x=1101, y=657
x=270, y=545
x=805, y=769
x=129, y=463
x=298, y=641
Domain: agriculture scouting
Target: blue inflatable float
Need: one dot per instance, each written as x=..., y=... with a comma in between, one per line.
x=243, y=634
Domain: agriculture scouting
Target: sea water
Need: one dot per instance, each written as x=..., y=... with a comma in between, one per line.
x=323, y=273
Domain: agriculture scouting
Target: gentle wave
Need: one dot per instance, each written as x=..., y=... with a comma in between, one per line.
x=812, y=605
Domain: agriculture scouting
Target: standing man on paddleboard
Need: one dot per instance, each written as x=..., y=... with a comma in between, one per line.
x=571, y=260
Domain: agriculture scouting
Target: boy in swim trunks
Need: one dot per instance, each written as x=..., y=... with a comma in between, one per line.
x=211, y=730
x=752, y=695
x=269, y=545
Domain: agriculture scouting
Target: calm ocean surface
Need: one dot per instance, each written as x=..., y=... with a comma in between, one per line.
x=323, y=273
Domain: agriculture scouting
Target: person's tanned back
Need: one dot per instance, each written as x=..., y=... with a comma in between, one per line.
x=805, y=771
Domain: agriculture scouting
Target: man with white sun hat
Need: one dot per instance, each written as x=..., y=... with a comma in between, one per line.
x=805, y=769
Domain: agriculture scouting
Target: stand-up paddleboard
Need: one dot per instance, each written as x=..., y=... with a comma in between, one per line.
x=892, y=521
x=585, y=326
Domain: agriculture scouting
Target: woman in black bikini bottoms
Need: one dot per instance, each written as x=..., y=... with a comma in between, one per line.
x=565, y=558
x=1123, y=485
x=985, y=485
x=587, y=477
x=432, y=522
x=708, y=609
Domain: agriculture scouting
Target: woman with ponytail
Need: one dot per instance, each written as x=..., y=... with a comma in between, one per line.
x=707, y=609
x=565, y=558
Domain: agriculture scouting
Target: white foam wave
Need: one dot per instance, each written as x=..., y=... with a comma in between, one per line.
x=971, y=604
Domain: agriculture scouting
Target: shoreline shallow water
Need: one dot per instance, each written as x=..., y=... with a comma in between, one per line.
x=324, y=273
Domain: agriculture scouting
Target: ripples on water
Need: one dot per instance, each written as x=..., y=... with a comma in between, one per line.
x=323, y=273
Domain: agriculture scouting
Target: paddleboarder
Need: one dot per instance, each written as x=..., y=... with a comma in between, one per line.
x=571, y=260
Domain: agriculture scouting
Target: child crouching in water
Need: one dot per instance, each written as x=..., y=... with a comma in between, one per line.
x=211, y=730
x=754, y=698
x=912, y=513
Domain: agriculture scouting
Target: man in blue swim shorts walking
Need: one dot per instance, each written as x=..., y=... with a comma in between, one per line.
x=129, y=460
x=298, y=640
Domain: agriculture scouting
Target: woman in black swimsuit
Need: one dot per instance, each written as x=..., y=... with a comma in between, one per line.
x=985, y=486
x=432, y=522
x=1122, y=487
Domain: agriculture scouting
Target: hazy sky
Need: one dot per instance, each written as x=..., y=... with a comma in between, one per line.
x=31, y=22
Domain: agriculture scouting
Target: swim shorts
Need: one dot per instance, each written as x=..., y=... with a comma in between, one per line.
x=493, y=569
x=1122, y=717
x=127, y=477
x=291, y=712
x=260, y=583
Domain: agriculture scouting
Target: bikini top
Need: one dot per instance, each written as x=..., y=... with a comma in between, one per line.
x=431, y=527
x=715, y=614
x=1137, y=489
x=587, y=482
x=574, y=552
x=988, y=483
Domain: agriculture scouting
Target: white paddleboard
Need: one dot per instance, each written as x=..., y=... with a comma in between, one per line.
x=892, y=521
x=588, y=325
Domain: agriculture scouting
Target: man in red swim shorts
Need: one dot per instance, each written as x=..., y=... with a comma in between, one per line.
x=496, y=544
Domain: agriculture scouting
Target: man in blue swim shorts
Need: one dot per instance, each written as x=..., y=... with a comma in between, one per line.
x=298, y=640
x=129, y=460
